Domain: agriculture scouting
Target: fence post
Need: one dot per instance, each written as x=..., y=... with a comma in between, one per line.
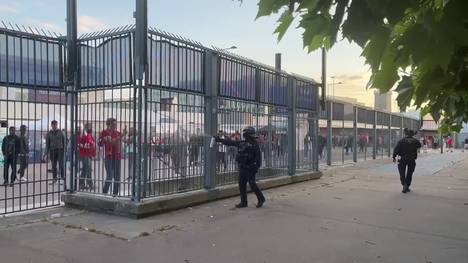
x=271, y=111
x=211, y=72
x=315, y=133
x=329, y=132
x=141, y=65
x=291, y=126
x=374, y=135
x=355, y=131
x=71, y=90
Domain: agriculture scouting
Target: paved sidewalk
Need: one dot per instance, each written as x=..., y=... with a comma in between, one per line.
x=353, y=214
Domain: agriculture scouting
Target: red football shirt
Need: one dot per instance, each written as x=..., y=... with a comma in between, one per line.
x=110, y=139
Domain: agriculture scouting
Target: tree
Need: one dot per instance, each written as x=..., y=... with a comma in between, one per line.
x=418, y=48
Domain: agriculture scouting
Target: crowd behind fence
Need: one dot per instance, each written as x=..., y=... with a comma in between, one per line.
x=144, y=139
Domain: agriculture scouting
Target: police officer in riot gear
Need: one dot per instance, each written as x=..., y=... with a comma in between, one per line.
x=249, y=160
x=407, y=150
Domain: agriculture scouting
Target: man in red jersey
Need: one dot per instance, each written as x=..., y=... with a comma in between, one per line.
x=111, y=140
x=87, y=148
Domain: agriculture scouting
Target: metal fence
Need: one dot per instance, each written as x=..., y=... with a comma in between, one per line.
x=31, y=96
x=353, y=133
x=138, y=138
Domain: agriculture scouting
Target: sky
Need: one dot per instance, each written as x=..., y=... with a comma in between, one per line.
x=221, y=23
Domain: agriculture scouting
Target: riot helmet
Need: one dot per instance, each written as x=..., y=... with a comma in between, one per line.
x=249, y=133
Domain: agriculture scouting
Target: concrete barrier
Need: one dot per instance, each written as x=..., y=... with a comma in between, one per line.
x=160, y=204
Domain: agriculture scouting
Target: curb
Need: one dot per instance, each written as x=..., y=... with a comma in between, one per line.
x=161, y=204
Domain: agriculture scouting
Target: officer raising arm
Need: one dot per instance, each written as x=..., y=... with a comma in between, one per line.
x=249, y=160
x=407, y=150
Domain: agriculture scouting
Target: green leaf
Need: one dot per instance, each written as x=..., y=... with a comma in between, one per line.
x=268, y=7
x=361, y=23
x=284, y=23
x=387, y=74
x=316, y=30
x=405, y=91
x=374, y=49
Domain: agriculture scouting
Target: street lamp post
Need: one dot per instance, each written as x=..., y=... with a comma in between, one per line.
x=333, y=85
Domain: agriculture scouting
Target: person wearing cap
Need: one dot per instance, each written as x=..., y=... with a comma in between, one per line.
x=407, y=150
x=249, y=160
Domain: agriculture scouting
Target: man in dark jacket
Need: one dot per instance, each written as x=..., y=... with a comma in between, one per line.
x=322, y=143
x=55, y=150
x=249, y=159
x=407, y=150
x=195, y=144
x=10, y=151
x=24, y=152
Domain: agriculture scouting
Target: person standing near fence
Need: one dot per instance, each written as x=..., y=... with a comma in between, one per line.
x=179, y=157
x=75, y=140
x=306, y=144
x=222, y=150
x=249, y=160
x=55, y=150
x=322, y=143
x=87, y=150
x=195, y=144
x=10, y=151
x=450, y=144
x=111, y=140
x=407, y=150
x=23, y=153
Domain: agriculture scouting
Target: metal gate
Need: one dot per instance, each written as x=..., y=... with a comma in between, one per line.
x=32, y=95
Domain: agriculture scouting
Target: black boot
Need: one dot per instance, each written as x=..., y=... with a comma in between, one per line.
x=241, y=205
x=260, y=203
x=405, y=189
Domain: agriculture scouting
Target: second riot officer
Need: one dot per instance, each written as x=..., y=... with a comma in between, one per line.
x=407, y=150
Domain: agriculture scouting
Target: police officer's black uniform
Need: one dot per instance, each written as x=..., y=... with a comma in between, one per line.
x=407, y=149
x=249, y=159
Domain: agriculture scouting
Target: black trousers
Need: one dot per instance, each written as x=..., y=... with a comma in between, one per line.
x=194, y=153
x=10, y=161
x=23, y=162
x=113, y=173
x=406, y=169
x=221, y=160
x=86, y=171
x=56, y=157
x=245, y=177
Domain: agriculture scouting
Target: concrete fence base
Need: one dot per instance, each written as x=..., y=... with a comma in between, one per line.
x=155, y=205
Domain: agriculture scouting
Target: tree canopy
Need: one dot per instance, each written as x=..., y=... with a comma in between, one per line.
x=418, y=48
